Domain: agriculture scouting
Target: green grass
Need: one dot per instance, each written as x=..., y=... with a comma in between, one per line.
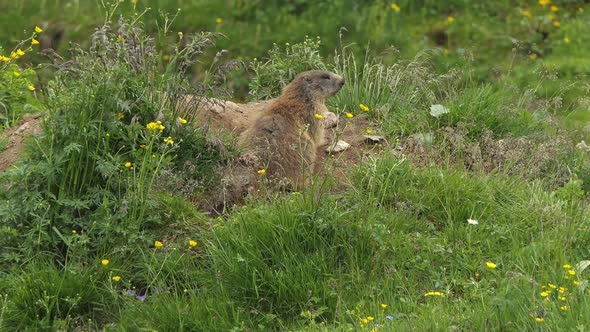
x=99, y=184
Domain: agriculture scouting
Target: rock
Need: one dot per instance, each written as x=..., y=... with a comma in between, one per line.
x=338, y=147
x=330, y=120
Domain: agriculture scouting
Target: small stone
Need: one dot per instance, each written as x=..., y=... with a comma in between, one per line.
x=338, y=146
x=330, y=120
x=374, y=139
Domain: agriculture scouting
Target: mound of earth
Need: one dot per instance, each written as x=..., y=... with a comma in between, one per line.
x=15, y=139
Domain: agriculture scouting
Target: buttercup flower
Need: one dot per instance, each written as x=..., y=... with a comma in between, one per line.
x=365, y=321
x=318, y=116
x=261, y=171
x=544, y=2
x=571, y=272
x=368, y=131
x=105, y=262
x=168, y=140
x=349, y=115
x=364, y=108
x=166, y=57
x=567, y=266
x=527, y=13
x=554, y=9
x=491, y=265
x=4, y=58
x=556, y=24
x=38, y=30
x=181, y=120
x=128, y=164
x=20, y=52
x=134, y=2
x=383, y=305
x=566, y=40
x=370, y=318
x=31, y=88
x=192, y=243
x=544, y=294
x=219, y=20
x=450, y=19
x=158, y=244
x=434, y=294
x=34, y=41
x=539, y=319
x=116, y=278
x=395, y=7
x=564, y=308
x=533, y=56
x=16, y=73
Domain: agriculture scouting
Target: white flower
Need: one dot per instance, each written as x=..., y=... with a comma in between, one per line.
x=472, y=222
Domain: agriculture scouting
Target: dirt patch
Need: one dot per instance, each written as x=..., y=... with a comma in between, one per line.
x=15, y=139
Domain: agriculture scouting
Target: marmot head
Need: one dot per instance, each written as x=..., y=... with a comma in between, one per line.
x=317, y=84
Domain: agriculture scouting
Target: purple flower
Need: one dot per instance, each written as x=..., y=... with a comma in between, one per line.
x=130, y=292
x=389, y=317
x=141, y=297
x=156, y=291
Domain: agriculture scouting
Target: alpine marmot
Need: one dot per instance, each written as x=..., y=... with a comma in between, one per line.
x=288, y=131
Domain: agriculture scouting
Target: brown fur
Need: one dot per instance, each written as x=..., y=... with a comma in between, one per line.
x=286, y=134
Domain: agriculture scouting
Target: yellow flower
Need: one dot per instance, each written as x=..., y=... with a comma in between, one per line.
x=120, y=115
x=168, y=140
x=527, y=13
x=31, y=88
x=120, y=38
x=544, y=2
x=562, y=290
x=128, y=164
x=490, y=265
x=368, y=131
x=74, y=231
x=566, y=40
x=261, y=171
x=576, y=283
x=219, y=20
x=539, y=319
x=134, y=2
x=571, y=272
x=38, y=30
x=349, y=115
x=556, y=24
x=533, y=56
x=383, y=305
x=564, y=308
x=158, y=244
x=544, y=294
x=434, y=294
x=116, y=278
x=105, y=262
x=192, y=243
x=155, y=126
x=552, y=286
x=554, y=9
x=34, y=41
x=14, y=55
x=20, y=52
x=551, y=17
x=4, y=58
x=318, y=116
x=395, y=7
x=365, y=321
x=567, y=266
x=370, y=318
x=16, y=73
x=181, y=120
x=450, y=19
x=563, y=298
x=364, y=108
x=166, y=57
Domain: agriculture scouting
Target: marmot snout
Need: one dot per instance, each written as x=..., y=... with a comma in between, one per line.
x=286, y=134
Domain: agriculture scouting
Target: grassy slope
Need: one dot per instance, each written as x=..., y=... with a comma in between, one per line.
x=324, y=261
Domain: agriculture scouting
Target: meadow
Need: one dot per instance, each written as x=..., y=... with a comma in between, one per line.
x=473, y=217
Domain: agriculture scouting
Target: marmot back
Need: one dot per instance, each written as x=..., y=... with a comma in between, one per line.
x=286, y=134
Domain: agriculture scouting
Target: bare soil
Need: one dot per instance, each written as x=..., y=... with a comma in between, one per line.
x=15, y=139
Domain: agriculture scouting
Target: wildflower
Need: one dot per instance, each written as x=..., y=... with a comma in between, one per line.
x=134, y=2
x=158, y=244
x=4, y=58
x=120, y=115
x=472, y=222
x=74, y=231
x=370, y=318
x=261, y=171
x=368, y=131
x=552, y=286
x=567, y=266
x=364, y=108
x=31, y=88
x=141, y=297
x=544, y=2
x=450, y=19
x=168, y=140
x=539, y=320
x=533, y=56
x=527, y=13
x=566, y=40
x=383, y=305
x=571, y=272
x=544, y=294
x=556, y=24
x=395, y=7
x=16, y=73
x=434, y=294
x=116, y=278
x=563, y=298
x=180, y=35
x=34, y=41
x=318, y=116
x=14, y=55
x=105, y=262
x=375, y=328
x=564, y=308
x=155, y=126
x=365, y=321
x=550, y=17
x=120, y=38
x=20, y=52
x=181, y=120
x=554, y=9
x=490, y=265
x=192, y=243
x=576, y=283
x=166, y=57
x=562, y=290
x=38, y=30
x=349, y=115
x=128, y=164
x=219, y=20
x=130, y=292
x=389, y=317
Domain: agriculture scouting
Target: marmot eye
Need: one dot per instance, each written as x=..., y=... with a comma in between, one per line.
x=326, y=76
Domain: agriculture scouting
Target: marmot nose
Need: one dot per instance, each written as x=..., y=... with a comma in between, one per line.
x=342, y=82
